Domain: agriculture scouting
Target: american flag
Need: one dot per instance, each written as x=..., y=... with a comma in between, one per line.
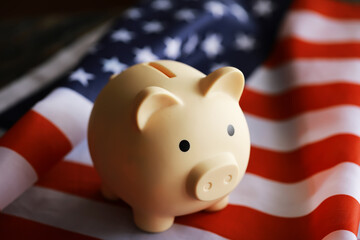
x=301, y=62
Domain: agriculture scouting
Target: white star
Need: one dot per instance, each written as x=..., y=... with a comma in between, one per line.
x=133, y=13
x=153, y=27
x=191, y=44
x=144, y=55
x=185, y=15
x=172, y=49
x=239, y=12
x=216, y=8
x=113, y=65
x=212, y=45
x=244, y=42
x=81, y=76
x=217, y=66
x=161, y=5
x=94, y=49
x=122, y=35
x=263, y=8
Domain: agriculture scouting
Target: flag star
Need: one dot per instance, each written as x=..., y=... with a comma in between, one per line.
x=122, y=35
x=81, y=76
x=153, y=27
x=133, y=13
x=172, y=49
x=185, y=15
x=239, y=12
x=144, y=55
x=263, y=8
x=113, y=65
x=94, y=49
x=245, y=42
x=212, y=45
x=216, y=8
x=217, y=66
x=161, y=5
x=191, y=44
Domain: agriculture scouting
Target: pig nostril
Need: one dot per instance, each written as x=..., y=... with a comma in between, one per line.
x=228, y=179
x=207, y=187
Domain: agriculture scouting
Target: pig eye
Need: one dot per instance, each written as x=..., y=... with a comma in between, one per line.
x=184, y=146
x=231, y=130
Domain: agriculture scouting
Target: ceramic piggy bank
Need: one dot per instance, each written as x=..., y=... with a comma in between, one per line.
x=169, y=140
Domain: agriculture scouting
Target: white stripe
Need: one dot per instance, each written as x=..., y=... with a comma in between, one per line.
x=307, y=128
x=300, y=73
x=49, y=71
x=340, y=235
x=68, y=110
x=16, y=175
x=311, y=26
x=80, y=154
x=297, y=199
x=281, y=136
x=96, y=219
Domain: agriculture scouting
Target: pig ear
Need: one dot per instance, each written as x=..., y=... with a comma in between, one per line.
x=227, y=80
x=151, y=100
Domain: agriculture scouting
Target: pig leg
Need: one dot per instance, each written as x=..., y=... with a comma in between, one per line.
x=107, y=193
x=152, y=223
x=219, y=205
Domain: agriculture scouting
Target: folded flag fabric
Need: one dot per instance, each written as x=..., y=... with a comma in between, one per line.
x=301, y=106
x=204, y=34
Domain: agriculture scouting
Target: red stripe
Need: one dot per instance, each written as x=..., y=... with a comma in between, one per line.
x=241, y=222
x=73, y=178
x=331, y=8
x=19, y=228
x=311, y=159
x=299, y=100
x=306, y=161
x=292, y=48
x=339, y=212
x=39, y=141
x=76, y=179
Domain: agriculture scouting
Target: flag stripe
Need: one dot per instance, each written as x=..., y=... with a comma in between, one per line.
x=267, y=196
x=73, y=178
x=256, y=225
x=71, y=115
x=35, y=129
x=83, y=180
x=85, y=218
x=91, y=218
x=16, y=175
x=307, y=128
x=323, y=29
x=278, y=166
x=316, y=157
x=80, y=154
x=331, y=8
x=292, y=48
x=299, y=100
x=19, y=228
x=300, y=73
x=340, y=234
x=256, y=192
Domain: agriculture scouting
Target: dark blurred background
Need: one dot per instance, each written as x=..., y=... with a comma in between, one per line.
x=33, y=31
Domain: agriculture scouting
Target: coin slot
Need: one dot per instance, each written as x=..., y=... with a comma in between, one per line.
x=162, y=69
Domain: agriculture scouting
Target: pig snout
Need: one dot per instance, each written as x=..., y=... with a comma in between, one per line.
x=213, y=178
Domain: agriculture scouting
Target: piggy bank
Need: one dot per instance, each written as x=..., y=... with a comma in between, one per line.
x=169, y=140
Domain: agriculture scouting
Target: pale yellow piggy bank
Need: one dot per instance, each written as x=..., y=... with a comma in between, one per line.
x=169, y=140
